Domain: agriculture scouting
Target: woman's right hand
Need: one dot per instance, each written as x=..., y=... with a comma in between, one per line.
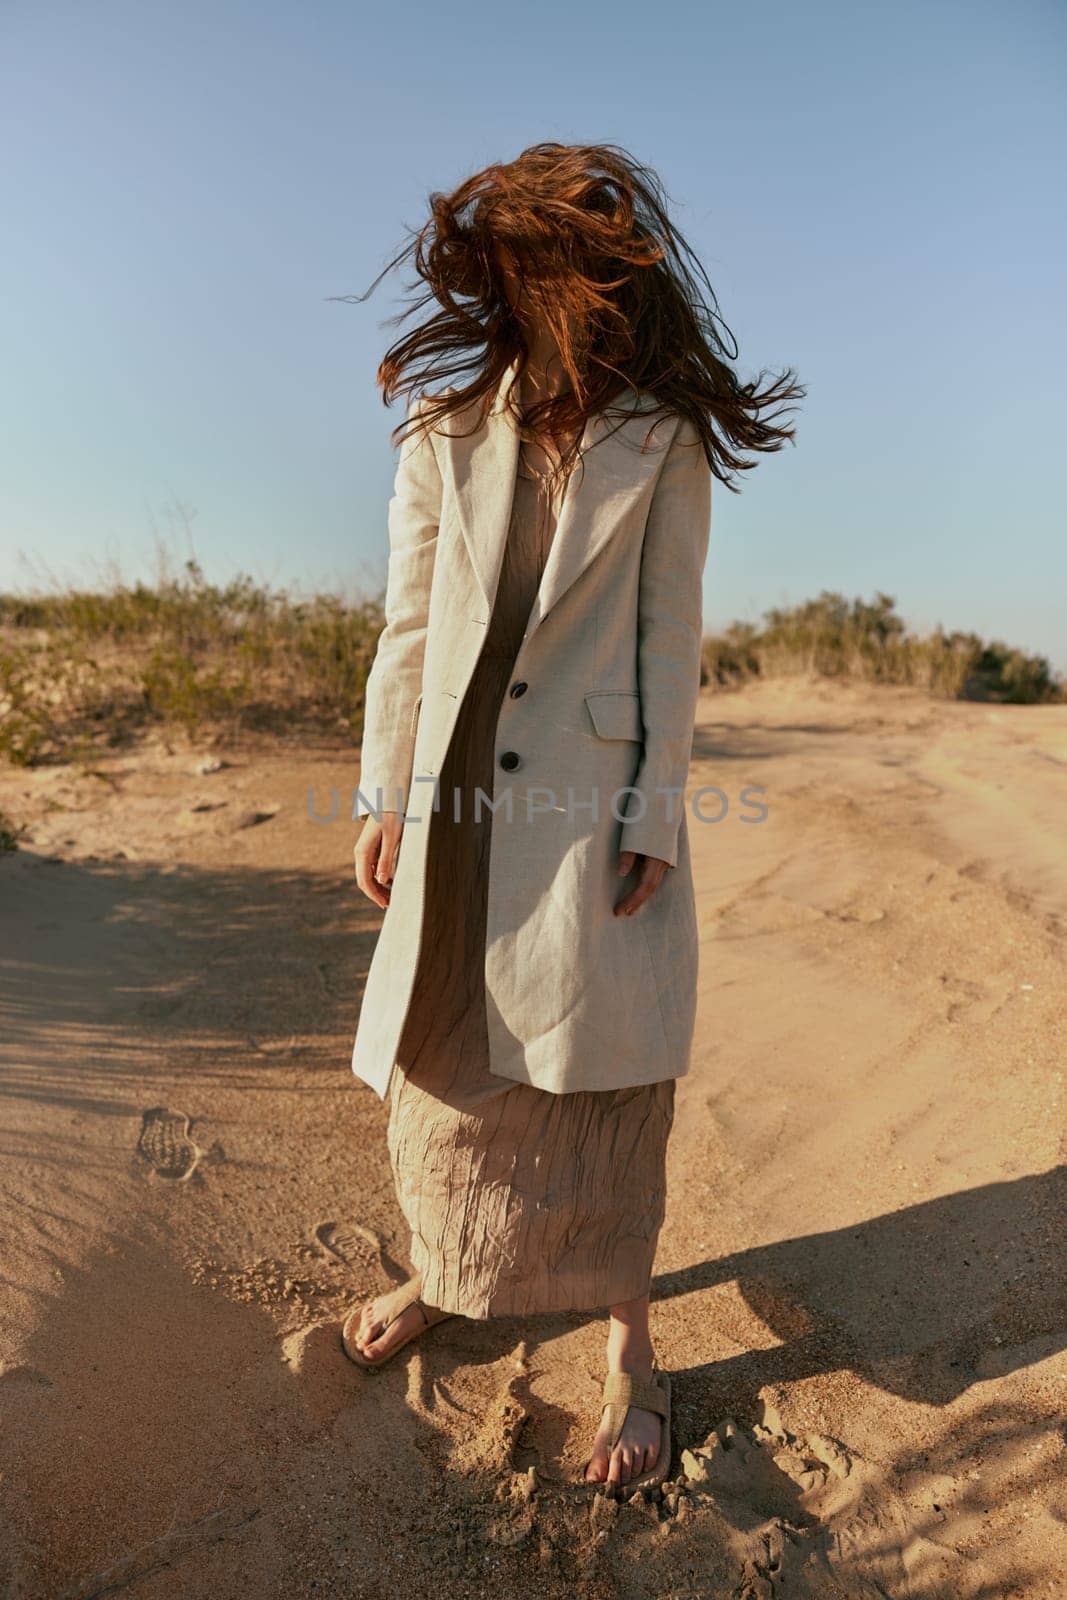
x=376, y=850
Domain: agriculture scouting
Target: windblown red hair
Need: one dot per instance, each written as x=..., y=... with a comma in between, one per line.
x=586, y=232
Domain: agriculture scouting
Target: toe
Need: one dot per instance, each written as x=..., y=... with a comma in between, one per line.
x=618, y=1467
x=367, y=1327
x=370, y=1322
x=597, y=1469
x=382, y=1343
x=383, y=1340
x=393, y=1334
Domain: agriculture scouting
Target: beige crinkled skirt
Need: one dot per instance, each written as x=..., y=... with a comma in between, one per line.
x=518, y=1200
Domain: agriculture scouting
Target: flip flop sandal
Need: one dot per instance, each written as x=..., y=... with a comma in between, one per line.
x=621, y=1391
x=399, y=1301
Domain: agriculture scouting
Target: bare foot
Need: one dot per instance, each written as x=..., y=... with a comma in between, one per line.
x=376, y=1336
x=637, y=1448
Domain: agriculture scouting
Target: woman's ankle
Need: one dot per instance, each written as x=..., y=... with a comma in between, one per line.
x=630, y=1346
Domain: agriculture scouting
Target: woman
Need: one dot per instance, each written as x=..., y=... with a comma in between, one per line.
x=532, y=995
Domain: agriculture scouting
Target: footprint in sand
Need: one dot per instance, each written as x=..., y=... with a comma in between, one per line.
x=350, y=1243
x=167, y=1144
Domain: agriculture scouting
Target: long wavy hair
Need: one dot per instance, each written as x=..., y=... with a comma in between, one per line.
x=584, y=233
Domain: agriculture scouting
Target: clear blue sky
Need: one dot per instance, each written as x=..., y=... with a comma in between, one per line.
x=876, y=192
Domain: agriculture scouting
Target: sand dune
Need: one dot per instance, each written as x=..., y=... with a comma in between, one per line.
x=860, y=1287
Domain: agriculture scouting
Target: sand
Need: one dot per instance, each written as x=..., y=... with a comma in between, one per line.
x=860, y=1288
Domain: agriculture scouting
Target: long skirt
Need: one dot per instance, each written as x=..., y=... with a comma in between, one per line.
x=518, y=1200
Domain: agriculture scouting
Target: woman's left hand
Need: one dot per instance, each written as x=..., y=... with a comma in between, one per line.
x=651, y=871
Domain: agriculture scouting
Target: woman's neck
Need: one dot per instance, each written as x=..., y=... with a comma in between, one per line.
x=544, y=375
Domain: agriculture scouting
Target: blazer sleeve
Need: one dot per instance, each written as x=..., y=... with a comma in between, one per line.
x=394, y=683
x=669, y=634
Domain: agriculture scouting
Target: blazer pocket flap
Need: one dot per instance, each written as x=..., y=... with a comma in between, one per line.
x=616, y=715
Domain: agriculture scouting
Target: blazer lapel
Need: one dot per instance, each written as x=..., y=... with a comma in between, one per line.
x=611, y=477
x=484, y=466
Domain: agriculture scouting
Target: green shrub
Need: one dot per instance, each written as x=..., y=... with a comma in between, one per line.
x=179, y=692
x=836, y=638
x=183, y=654
x=80, y=669
x=9, y=834
x=24, y=717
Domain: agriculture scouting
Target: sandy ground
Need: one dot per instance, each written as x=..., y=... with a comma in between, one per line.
x=860, y=1286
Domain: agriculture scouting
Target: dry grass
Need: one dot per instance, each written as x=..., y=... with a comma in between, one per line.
x=833, y=637
x=81, y=670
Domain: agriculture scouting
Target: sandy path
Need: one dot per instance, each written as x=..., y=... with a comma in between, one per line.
x=861, y=1279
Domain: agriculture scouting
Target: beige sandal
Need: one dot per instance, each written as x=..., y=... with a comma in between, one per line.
x=396, y=1303
x=621, y=1391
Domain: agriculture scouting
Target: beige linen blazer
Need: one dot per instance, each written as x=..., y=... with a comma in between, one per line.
x=590, y=756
